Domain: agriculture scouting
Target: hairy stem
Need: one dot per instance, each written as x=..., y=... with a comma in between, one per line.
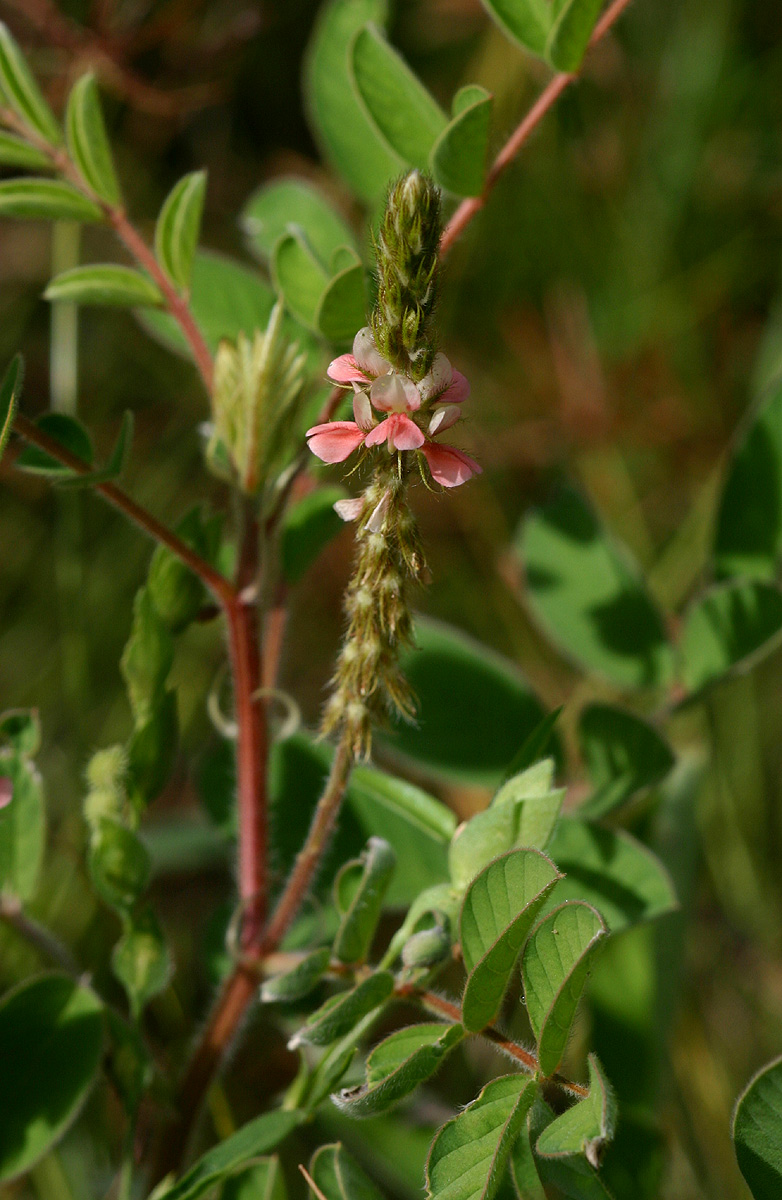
x=546, y=100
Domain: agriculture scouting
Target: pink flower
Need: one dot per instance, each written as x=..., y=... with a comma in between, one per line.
x=378, y=386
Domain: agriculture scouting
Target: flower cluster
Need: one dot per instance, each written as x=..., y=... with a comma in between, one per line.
x=435, y=401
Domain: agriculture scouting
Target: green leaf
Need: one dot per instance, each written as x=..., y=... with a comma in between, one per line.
x=88, y=144
x=568, y=40
x=540, y=742
x=21, y=729
x=10, y=390
x=623, y=879
x=497, y=915
x=307, y=528
x=284, y=203
x=106, y=284
x=176, y=591
x=416, y=824
x=757, y=1132
x=66, y=430
x=115, y=465
x=342, y=308
x=573, y=1177
x=540, y=806
x=397, y=1066
x=458, y=157
x=147, y=658
x=178, y=228
x=340, y=1014
x=339, y=1177
x=587, y=1127
x=359, y=890
x=226, y=298
x=348, y=138
x=622, y=753
x=22, y=828
x=300, y=277
x=249, y=1142
x=299, y=981
x=469, y=1154
x=264, y=1180
x=526, y=21
x=46, y=200
x=16, y=152
x=589, y=596
x=748, y=538
x=141, y=961
x=407, y=118
x=474, y=707
x=554, y=968
x=51, y=1040
x=119, y=864
x=524, y=1170
x=729, y=628
x=21, y=92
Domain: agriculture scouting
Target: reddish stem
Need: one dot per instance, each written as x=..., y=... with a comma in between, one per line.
x=546, y=100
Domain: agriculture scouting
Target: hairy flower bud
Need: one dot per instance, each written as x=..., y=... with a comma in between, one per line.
x=258, y=391
x=407, y=247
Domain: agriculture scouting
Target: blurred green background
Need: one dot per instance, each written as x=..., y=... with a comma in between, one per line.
x=617, y=309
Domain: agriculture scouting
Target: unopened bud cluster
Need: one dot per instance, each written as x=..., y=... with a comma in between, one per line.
x=368, y=683
x=258, y=391
x=407, y=248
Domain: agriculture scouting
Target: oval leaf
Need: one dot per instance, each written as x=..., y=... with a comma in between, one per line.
x=45, y=200
x=408, y=119
x=255, y=1138
x=66, y=430
x=620, y=876
x=587, y=1127
x=554, y=969
x=569, y=37
x=458, y=157
x=360, y=917
x=21, y=92
x=622, y=753
x=104, y=284
x=339, y=1177
x=469, y=1154
x=88, y=144
x=343, y=306
x=51, y=1040
x=397, y=1066
x=729, y=628
x=748, y=540
x=497, y=915
x=299, y=981
x=474, y=707
x=16, y=152
x=589, y=596
x=525, y=21
x=178, y=228
x=300, y=277
x=22, y=828
x=275, y=208
x=757, y=1132
x=347, y=136
x=339, y=1015
x=10, y=390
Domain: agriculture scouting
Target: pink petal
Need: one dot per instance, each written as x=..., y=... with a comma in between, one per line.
x=334, y=441
x=405, y=434
x=379, y=434
x=349, y=510
x=450, y=466
x=362, y=411
x=395, y=393
x=444, y=418
x=437, y=378
x=345, y=369
x=457, y=391
x=6, y=792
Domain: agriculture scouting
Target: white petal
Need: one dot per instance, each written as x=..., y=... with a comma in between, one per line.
x=378, y=517
x=395, y=393
x=362, y=411
x=443, y=418
x=367, y=355
x=349, y=510
x=437, y=378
